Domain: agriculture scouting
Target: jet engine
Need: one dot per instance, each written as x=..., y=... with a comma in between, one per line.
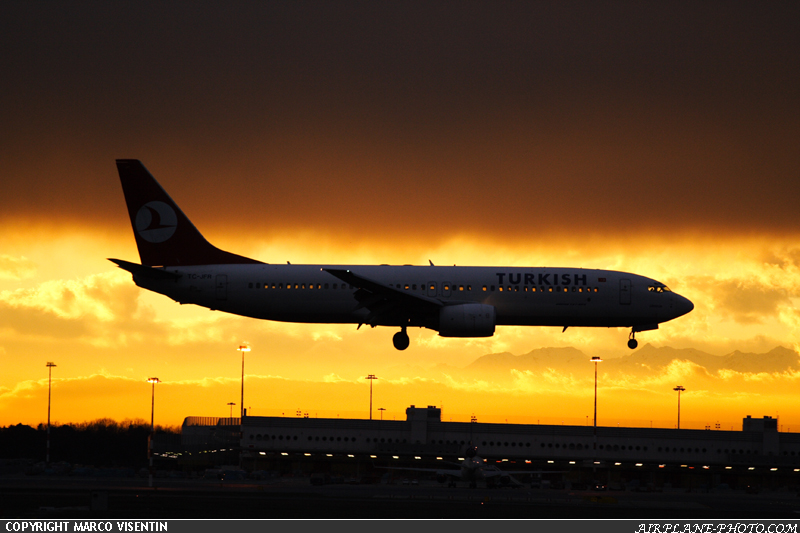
x=467, y=320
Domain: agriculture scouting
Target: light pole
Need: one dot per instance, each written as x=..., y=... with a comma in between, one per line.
x=244, y=347
x=231, y=404
x=381, y=409
x=49, y=388
x=679, y=388
x=595, y=360
x=153, y=403
x=371, y=378
x=152, y=428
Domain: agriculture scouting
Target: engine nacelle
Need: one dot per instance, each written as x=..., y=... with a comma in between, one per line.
x=467, y=320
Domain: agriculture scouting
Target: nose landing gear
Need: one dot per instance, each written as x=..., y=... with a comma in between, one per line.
x=401, y=340
x=632, y=342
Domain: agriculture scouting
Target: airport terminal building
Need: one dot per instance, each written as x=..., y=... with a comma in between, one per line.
x=758, y=448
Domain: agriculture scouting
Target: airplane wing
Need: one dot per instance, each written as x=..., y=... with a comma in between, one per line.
x=386, y=304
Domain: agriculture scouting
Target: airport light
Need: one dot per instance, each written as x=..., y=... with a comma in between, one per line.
x=595, y=360
x=371, y=378
x=153, y=402
x=243, y=347
x=381, y=409
x=152, y=428
x=679, y=389
x=50, y=366
x=231, y=404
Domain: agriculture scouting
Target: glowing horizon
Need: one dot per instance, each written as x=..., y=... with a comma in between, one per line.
x=108, y=336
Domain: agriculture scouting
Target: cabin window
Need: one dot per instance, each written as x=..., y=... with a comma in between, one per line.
x=414, y=287
x=406, y=286
x=447, y=287
x=249, y=285
x=500, y=288
x=484, y=288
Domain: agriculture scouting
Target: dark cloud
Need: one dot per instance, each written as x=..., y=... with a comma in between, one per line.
x=359, y=117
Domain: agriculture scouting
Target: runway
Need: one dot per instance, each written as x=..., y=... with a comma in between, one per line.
x=296, y=498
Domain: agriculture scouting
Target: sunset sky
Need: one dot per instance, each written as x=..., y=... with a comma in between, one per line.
x=656, y=138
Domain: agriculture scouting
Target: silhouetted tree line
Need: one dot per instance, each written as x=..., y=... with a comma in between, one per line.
x=102, y=442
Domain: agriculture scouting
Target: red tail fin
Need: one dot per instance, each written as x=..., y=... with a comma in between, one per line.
x=164, y=235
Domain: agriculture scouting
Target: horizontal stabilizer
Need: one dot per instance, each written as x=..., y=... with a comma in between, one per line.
x=144, y=271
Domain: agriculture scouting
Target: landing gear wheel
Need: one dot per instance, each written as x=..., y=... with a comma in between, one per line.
x=401, y=340
x=632, y=343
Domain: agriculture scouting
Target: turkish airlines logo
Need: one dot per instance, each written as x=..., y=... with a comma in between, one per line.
x=156, y=222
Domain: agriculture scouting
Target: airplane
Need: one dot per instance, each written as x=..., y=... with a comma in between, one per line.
x=474, y=469
x=458, y=301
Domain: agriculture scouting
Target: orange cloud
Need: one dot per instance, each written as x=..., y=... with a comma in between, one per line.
x=101, y=329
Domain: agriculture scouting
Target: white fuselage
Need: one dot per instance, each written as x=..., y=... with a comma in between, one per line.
x=521, y=296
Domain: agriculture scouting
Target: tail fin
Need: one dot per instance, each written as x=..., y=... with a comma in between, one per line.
x=164, y=235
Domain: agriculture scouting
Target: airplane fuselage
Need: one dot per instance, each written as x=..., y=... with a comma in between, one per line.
x=520, y=296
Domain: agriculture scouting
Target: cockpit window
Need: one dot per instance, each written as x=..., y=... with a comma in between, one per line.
x=658, y=287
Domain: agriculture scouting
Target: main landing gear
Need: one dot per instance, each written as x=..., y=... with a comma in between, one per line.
x=632, y=342
x=401, y=340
